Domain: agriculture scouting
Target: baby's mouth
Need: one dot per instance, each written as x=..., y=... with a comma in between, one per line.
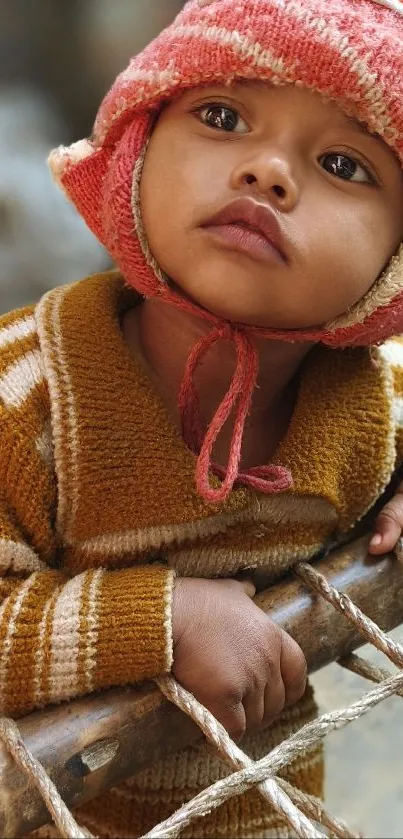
x=251, y=227
x=242, y=238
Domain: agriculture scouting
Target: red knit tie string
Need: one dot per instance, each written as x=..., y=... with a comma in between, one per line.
x=267, y=479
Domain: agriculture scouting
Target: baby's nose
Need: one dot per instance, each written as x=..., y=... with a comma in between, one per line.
x=270, y=176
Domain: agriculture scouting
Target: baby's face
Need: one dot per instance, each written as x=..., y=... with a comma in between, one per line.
x=330, y=199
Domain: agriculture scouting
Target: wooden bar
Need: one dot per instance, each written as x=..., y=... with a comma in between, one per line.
x=91, y=744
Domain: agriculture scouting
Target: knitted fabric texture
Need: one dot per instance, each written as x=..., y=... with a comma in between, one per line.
x=350, y=51
x=83, y=605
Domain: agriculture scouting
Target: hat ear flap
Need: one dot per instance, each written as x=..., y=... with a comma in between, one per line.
x=101, y=185
x=80, y=171
x=120, y=213
x=377, y=316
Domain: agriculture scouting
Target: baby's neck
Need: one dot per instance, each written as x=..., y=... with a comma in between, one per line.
x=163, y=336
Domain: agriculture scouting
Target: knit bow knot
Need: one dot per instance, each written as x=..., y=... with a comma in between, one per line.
x=267, y=479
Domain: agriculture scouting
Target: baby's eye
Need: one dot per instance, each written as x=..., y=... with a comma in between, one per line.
x=223, y=118
x=346, y=168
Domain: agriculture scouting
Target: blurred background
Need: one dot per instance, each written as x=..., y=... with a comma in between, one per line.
x=57, y=59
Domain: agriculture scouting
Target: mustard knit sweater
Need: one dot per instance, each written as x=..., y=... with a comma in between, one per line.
x=96, y=485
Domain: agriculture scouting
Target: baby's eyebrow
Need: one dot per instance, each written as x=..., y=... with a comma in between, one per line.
x=362, y=129
x=359, y=126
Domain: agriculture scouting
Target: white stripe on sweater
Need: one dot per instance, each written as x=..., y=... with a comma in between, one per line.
x=392, y=351
x=19, y=558
x=65, y=422
x=66, y=640
x=7, y=643
x=92, y=623
x=39, y=693
x=17, y=331
x=398, y=411
x=21, y=379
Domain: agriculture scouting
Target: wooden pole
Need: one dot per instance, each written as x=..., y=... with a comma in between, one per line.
x=91, y=744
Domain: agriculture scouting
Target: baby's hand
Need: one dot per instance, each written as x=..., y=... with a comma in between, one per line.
x=388, y=525
x=231, y=656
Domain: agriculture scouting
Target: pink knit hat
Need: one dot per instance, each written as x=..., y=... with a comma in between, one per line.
x=348, y=50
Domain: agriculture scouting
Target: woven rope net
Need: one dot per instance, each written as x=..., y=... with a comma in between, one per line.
x=305, y=814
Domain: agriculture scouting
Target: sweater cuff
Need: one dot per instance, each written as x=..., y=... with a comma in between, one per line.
x=134, y=625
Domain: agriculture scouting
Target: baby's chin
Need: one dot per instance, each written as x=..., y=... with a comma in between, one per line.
x=240, y=312
x=242, y=315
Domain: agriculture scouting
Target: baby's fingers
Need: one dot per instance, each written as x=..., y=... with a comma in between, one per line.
x=388, y=525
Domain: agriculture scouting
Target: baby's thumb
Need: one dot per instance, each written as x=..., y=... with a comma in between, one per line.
x=388, y=526
x=248, y=587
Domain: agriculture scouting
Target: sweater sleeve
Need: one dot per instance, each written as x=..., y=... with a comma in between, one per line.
x=392, y=351
x=61, y=636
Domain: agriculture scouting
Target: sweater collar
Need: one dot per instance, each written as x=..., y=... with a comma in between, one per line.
x=125, y=474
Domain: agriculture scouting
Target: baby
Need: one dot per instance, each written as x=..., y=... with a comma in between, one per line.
x=229, y=401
